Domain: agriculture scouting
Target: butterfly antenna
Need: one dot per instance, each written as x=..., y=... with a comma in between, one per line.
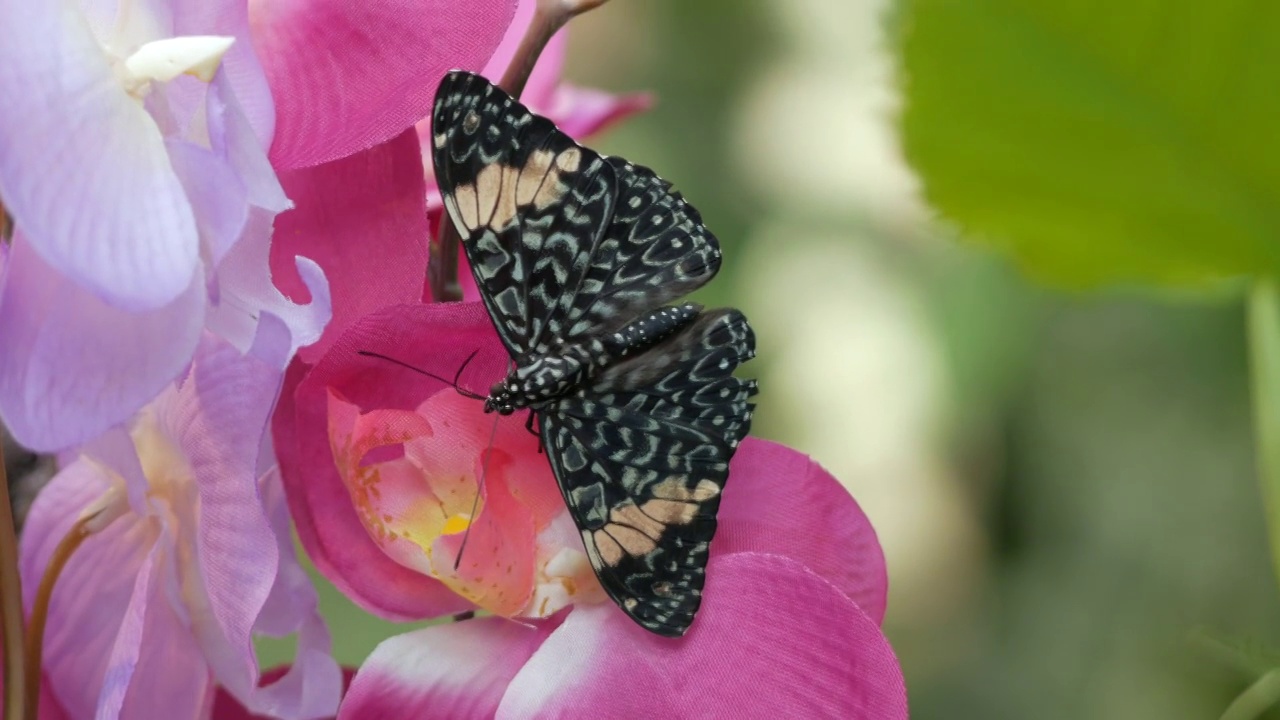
x=475, y=502
x=461, y=391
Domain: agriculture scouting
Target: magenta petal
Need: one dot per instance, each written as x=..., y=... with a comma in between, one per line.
x=435, y=336
x=772, y=640
x=457, y=671
x=71, y=365
x=349, y=75
x=132, y=236
x=363, y=219
x=780, y=501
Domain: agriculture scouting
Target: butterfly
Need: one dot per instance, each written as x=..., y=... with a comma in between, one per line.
x=576, y=256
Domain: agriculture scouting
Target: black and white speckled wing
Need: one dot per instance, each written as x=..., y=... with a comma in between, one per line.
x=642, y=454
x=564, y=244
x=529, y=204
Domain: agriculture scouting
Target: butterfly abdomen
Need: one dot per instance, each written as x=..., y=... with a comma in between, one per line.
x=650, y=329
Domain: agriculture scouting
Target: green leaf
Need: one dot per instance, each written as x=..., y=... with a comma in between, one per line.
x=1102, y=142
x=1264, y=367
x=1251, y=657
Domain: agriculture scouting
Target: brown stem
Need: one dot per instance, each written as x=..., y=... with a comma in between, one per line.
x=10, y=605
x=40, y=610
x=548, y=17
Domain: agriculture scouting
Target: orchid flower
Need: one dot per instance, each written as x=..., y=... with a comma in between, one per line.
x=143, y=201
x=393, y=461
x=192, y=555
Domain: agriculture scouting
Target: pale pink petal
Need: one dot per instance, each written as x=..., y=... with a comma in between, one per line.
x=94, y=589
x=328, y=525
x=246, y=292
x=216, y=193
x=582, y=112
x=232, y=136
x=457, y=671
x=363, y=220
x=772, y=640
x=170, y=677
x=216, y=418
x=780, y=501
x=240, y=65
x=313, y=685
x=70, y=365
x=131, y=238
x=349, y=75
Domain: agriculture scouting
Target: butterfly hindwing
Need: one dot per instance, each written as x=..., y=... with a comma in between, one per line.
x=642, y=455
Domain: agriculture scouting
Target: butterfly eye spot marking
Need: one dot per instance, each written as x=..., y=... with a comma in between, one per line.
x=439, y=139
x=662, y=589
x=631, y=603
x=471, y=122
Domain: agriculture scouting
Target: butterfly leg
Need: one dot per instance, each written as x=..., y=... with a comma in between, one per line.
x=528, y=425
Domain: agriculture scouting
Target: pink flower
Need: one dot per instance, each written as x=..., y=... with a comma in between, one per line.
x=158, y=609
x=384, y=523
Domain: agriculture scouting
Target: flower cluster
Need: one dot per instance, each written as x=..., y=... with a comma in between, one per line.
x=220, y=209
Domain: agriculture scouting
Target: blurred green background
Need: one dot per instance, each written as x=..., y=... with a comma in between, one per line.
x=1064, y=481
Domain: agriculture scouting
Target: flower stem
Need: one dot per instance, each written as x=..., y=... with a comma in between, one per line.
x=10, y=604
x=1264, y=352
x=548, y=17
x=40, y=610
x=1256, y=700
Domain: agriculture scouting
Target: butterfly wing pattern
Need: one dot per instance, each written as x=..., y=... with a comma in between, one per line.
x=576, y=256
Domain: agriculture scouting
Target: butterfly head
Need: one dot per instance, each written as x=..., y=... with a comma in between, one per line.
x=501, y=398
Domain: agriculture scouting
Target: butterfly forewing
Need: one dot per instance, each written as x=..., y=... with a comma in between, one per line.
x=575, y=253
x=529, y=202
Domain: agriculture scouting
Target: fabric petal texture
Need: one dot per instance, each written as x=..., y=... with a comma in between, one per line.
x=347, y=76
x=457, y=670
x=810, y=652
x=811, y=519
x=71, y=365
x=132, y=241
x=328, y=523
x=362, y=219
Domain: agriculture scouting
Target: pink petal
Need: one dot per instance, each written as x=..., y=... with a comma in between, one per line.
x=772, y=640
x=347, y=76
x=457, y=670
x=314, y=684
x=364, y=221
x=132, y=238
x=169, y=676
x=94, y=589
x=328, y=524
x=226, y=707
x=217, y=417
x=71, y=366
x=582, y=112
x=780, y=501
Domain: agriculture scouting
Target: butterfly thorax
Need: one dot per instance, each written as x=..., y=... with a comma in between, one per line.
x=537, y=380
